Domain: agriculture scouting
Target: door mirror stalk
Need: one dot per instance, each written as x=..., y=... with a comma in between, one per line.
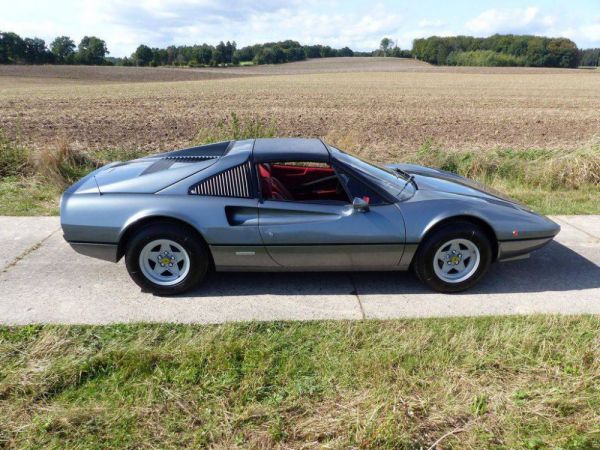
x=360, y=205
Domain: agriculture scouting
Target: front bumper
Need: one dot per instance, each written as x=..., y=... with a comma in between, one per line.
x=516, y=249
x=107, y=252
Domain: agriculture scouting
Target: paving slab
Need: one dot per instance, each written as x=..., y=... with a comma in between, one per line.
x=574, y=235
x=587, y=224
x=18, y=234
x=57, y=285
x=48, y=282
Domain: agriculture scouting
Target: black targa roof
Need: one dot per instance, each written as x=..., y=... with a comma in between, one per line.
x=290, y=149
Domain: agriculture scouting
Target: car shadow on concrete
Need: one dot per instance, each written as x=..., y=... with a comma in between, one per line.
x=553, y=268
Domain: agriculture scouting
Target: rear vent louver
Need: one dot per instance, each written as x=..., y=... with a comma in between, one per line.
x=196, y=157
x=234, y=182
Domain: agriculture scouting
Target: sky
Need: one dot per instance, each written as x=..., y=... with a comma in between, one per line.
x=359, y=24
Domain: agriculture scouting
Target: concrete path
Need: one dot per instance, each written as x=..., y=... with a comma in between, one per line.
x=43, y=281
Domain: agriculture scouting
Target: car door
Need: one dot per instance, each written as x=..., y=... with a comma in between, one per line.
x=313, y=235
x=225, y=207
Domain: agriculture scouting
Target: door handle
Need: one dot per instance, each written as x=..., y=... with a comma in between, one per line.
x=241, y=215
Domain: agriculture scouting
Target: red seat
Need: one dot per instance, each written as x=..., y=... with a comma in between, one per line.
x=270, y=186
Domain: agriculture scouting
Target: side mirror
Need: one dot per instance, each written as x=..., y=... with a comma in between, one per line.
x=360, y=205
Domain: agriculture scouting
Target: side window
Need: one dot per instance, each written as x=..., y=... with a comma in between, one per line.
x=300, y=181
x=234, y=182
x=357, y=189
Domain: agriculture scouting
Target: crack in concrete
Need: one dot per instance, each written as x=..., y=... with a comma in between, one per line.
x=27, y=252
x=355, y=293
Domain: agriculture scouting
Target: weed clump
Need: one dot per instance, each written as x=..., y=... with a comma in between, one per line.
x=234, y=128
x=14, y=158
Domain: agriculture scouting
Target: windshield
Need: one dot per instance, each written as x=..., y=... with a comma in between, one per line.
x=391, y=180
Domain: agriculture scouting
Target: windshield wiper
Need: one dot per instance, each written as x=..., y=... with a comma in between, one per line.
x=402, y=172
x=411, y=179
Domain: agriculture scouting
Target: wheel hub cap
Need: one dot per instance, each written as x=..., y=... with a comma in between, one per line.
x=456, y=260
x=166, y=259
x=453, y=257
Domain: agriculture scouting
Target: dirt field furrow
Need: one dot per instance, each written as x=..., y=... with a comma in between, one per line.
x=378, y=107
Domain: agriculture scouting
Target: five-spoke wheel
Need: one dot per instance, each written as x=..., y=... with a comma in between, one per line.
x=456, y=260
x=454, y=257
x=166, y=258
x=165, y=262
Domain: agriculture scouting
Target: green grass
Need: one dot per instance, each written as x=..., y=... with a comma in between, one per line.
x=517, y=382
x=583, y=200
x=549, y=181
x=544, y=168
x=20, y=196
x=233, y=128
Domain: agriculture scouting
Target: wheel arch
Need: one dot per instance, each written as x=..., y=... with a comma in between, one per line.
x=140, y=223
x=484, y=225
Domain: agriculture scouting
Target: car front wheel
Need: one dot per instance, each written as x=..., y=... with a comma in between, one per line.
x=166, y=259
x=454, y=258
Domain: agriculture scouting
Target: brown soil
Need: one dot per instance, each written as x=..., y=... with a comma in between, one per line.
x=379, y=105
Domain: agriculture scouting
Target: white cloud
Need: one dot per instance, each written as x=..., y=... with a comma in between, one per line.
x=124, y=24
x=161, y=23
x=519, y=20
x=431, y=23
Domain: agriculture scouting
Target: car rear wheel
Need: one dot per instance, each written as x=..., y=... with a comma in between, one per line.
x=166, y=259
x=454, y=257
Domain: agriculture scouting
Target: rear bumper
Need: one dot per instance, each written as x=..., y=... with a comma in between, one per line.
x=107, y=252
x=508, y=250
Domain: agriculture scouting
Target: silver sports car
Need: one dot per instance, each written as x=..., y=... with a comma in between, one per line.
x=295, y=205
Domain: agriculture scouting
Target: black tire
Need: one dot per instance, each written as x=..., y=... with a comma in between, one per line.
x=199, y=258
x=424, y=259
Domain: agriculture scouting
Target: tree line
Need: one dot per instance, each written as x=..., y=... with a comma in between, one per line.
x=93, y=50
x=16, y=50
x=589, y=57
x=228, y=54
x=498, y=50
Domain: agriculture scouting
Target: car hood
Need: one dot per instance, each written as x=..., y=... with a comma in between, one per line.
x=428, y=178
x=147, y=175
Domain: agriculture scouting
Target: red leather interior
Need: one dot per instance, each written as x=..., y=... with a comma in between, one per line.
x=271, y=187
x=293, y=176
x=286, y=182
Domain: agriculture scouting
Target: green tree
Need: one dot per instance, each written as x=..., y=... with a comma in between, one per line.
x=36, y=51
x=327, y=52
x=385, y=44
x=590, y=57
x=346, y=51
x=143, y=55
x=218, y=54
x=228, y=52
x=506, y=49
x=265, y=55
x=12, y=48
x=91, y=51
x=562, y=53
x=63, y=49
x=312, y=51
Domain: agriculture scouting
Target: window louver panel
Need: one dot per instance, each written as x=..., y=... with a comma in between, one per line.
x=183, y=158
x=234, y=182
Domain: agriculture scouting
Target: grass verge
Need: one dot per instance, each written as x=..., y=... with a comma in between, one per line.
x=513, y=382
x=550, y=181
